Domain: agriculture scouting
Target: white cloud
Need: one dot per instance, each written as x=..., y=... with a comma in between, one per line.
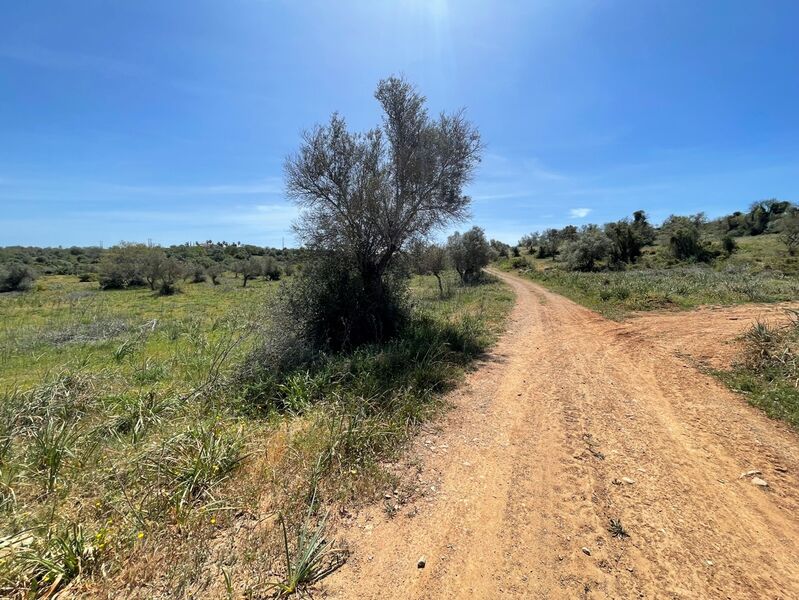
x=579, y=213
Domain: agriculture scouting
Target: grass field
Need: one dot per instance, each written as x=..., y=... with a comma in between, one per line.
x=129, y=457
x=127, y=335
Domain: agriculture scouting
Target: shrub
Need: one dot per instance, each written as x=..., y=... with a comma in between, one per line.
x=583, y=253
x=197, y=273
x=249, y=269
x=330, y=307
x=17, y=277
x=729, y=244
x=626, y=241
x=270, y=269
x=123, y=266
x=365, y=196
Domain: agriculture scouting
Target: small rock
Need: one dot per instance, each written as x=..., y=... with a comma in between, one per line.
x=759, y=482
x=628, y=480
x=709, y=563
x=751, y=473
x=420, y=564
x=586, y=551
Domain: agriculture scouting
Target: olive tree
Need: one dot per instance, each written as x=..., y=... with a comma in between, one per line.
x=251, y=268
x=364, y=196
x=470, y=252
x=591, y=245
x=430, y=259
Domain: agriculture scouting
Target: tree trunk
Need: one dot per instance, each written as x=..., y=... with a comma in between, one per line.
x=378, y=313
x=440, y=287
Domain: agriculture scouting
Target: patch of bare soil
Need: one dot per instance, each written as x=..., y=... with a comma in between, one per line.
x=710, y=335
x=572, y=421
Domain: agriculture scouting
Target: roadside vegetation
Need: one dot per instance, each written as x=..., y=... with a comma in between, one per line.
x=190, y=421
x=630, y=265
x=687, y=261
x=768, y=372
x=130, y=428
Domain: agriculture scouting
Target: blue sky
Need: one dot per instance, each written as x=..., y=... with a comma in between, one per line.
x=171, y=120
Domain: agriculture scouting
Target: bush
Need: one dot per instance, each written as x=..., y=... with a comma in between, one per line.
x=197, y=273
x=729, y=244
x=583, y=253
x=326, y=308
x=123, y=266
x=17, y=277
x=270, y=269
x=684, y=237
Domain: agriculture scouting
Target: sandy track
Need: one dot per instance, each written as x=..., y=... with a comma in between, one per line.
x=527, y=470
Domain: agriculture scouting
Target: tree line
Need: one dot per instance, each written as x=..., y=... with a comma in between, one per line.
x=691, y=238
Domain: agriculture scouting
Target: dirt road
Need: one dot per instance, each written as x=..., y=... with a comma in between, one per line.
x=573, y=421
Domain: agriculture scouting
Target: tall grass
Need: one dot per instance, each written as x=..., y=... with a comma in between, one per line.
x=769, y=371
x=136, y=441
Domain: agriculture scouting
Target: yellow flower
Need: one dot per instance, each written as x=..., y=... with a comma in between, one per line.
x=140, y=535
x=213, y=520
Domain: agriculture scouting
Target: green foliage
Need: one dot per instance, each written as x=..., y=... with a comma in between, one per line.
x=123, y=266
x=729, y=244
x=628, y=238
x=192, y=463
x=161, y=437
x=469, y=252
x=311, y=558
x=583, y=253
x=197, y=272
x=270, y=269
x=52, y=442
x=16, y=277
x=46, y=565
x=329, y=307
x=684, y=238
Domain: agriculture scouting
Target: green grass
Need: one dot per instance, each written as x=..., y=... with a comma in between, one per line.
x=69, y=324
x=764, y=253
x=125, y=437
x=614, y=293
